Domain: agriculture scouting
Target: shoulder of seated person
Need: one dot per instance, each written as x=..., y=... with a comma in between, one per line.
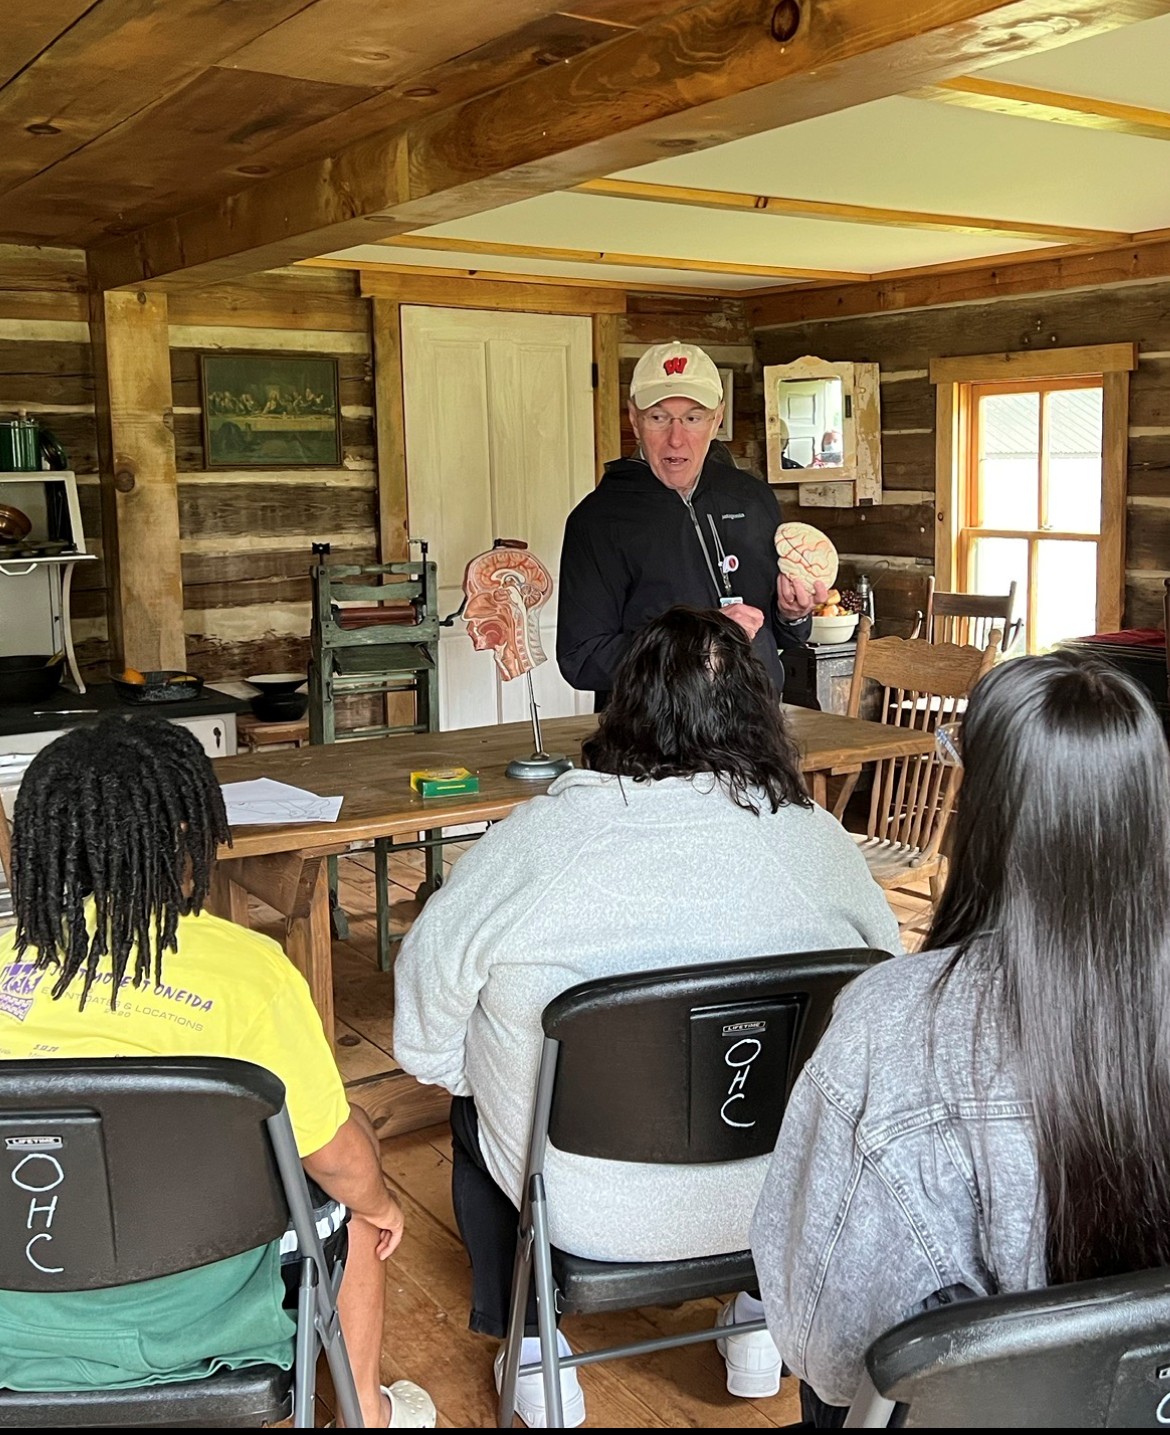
x=889, y=998
x=233, y=938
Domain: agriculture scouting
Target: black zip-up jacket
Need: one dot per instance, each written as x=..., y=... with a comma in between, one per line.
x=632, y=551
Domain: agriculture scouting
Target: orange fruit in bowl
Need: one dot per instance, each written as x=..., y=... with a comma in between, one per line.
x=132, y=675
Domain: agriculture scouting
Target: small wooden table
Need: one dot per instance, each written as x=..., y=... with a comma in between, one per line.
x=284, y=865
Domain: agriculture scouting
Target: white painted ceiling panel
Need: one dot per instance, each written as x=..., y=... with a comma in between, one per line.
x=914, y=154
x=1129, y=66
x=586, y=221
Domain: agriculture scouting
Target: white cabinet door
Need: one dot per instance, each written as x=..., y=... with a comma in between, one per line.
x=499, y=444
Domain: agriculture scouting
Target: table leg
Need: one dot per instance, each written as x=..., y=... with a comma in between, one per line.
x=308, y=941
x=227, y=898
x=820, y=788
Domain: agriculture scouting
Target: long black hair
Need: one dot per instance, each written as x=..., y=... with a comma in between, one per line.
x=1059, y=901
x=128, y=813
x=690, y=696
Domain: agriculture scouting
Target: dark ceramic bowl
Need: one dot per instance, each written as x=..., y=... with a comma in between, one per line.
x=271, y=683
x=280, y=707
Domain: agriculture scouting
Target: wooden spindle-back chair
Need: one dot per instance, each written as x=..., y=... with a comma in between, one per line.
x=922, y=685
x=968, y=619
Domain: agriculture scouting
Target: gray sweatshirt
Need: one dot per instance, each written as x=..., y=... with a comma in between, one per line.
x=905, y=1164
x=603, y=876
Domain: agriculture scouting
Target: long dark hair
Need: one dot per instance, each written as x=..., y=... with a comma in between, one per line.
x=128, y=813
x=690, y=696
x=1059, y=902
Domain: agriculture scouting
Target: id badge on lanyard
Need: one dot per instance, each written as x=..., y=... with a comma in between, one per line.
x=728, y=564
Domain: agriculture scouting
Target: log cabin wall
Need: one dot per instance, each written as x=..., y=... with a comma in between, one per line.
x=46, y=368
x=720, y=326
x=247, y=534
x=895, y=543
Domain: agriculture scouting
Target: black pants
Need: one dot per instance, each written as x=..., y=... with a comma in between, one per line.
x=488, y=1222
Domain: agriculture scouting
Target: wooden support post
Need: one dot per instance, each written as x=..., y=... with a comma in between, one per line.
x=390, y=436
x=390, y=431
x=140, y=496
x=607, y=417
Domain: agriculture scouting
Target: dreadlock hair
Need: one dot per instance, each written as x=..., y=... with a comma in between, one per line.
x=128, y=813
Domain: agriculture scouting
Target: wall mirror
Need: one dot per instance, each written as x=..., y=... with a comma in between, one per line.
x=824, y=431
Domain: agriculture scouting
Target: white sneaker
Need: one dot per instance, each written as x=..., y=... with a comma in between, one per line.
x=753, y=1362
x=530, y=1404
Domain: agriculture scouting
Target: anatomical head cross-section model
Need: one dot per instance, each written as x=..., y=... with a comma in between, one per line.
x=505, y=589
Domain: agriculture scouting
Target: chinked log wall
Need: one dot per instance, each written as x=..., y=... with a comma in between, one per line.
x=46, y=368
x=895, y=543
x=247, y=534
x=718, y=325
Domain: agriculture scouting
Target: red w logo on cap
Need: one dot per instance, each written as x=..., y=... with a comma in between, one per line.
x=675, y=365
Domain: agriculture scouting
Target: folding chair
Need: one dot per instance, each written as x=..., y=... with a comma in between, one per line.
x=677, y=1067
x=165, y=1165
x=1091, y=1356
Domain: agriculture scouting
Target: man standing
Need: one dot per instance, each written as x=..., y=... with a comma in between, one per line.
x=673, y=525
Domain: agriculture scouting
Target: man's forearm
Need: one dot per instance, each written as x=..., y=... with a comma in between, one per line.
x=348, y=1170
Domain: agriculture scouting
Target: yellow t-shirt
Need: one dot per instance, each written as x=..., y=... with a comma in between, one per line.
x=225, y=992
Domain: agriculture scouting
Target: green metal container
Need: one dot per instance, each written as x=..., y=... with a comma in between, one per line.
x=20, y=445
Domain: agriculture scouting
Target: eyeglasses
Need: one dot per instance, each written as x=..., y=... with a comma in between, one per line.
x=948, y=743
x=659, y=420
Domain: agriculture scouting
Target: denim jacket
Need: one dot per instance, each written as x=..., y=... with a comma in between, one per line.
x=905, y=1163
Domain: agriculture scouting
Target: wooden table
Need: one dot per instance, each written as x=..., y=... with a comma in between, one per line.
x=284, y=866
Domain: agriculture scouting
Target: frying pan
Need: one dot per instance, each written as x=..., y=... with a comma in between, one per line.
x=30, y=677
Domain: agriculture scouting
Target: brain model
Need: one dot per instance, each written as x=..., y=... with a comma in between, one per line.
x=805, y=554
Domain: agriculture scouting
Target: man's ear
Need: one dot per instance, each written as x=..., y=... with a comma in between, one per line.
x=633, y=411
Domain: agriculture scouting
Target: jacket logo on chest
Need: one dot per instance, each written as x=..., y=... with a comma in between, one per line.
x=732, y=515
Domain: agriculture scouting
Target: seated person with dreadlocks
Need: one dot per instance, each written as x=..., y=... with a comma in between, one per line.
x=114, y=842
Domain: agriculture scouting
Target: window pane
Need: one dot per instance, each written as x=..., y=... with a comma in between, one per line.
x=1009, y=460
x=1074, y=460
x=1066, y=600
x=995, y=564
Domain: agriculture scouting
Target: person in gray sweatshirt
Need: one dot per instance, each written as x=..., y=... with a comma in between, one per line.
x=688, y=837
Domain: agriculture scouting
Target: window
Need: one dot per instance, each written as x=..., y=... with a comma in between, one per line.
x=1031, y=485
x=1033, y=504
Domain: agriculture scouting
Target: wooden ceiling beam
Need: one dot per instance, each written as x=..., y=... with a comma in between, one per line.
x=612, y=257
x=773, y=204
x=1145, y=259
x=1054, y=107
x=713, y=72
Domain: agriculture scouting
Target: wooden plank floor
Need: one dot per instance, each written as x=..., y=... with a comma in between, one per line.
x=428, y=1281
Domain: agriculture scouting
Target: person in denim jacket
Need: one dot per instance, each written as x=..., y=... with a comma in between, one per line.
x=995, y=1112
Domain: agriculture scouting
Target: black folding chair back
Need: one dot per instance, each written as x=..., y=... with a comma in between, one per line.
x=681, y=1066
x=118, y=1170
x=1095, y=1355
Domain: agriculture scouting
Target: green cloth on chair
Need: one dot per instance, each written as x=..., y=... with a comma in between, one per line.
x=179, y=1327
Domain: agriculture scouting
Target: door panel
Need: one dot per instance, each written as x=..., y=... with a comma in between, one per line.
x=499, y=444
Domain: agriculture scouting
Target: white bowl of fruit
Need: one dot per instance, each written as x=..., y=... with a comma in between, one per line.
x=835, y=620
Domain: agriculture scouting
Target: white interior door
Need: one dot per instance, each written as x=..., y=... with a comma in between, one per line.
x=802, y=408
x=499, y=444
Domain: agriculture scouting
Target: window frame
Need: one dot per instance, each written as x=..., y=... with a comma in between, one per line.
x=956, y=381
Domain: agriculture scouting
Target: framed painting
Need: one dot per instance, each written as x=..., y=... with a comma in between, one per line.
x=270, y=411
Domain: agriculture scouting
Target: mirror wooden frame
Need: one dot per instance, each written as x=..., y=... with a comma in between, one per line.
x=858, y=482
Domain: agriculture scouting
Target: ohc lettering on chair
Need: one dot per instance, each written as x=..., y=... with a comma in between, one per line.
x=740, y=1057
x=38, y=1172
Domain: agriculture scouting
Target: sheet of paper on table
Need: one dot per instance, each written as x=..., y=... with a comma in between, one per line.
x=263, y=801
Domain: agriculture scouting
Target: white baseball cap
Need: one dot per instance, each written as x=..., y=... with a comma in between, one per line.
x=675, y=371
